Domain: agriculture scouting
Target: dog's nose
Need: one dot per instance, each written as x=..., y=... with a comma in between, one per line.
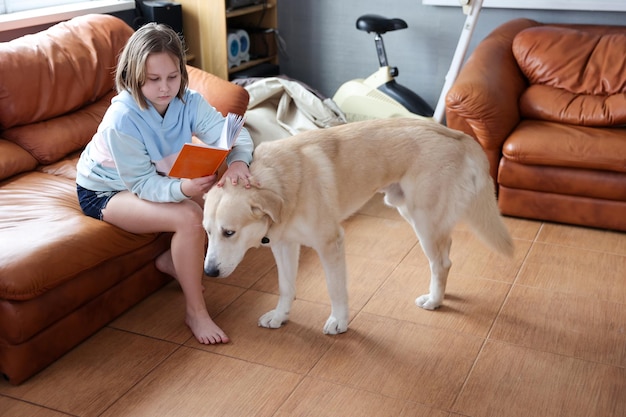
x=212, y=271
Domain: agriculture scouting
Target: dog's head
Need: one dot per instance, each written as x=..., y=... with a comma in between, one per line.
x=236, y=219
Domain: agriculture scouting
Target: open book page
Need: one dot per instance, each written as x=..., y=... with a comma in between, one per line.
x=230, y=132
x=200, y=160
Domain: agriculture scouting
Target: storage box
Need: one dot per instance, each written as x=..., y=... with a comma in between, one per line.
x=262, y=43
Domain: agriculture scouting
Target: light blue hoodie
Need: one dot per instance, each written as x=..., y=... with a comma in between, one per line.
x=134, y=149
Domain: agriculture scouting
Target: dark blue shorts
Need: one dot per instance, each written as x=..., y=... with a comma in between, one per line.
x=93, y=202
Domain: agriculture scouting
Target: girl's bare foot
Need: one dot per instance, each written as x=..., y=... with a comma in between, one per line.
x=205, y=330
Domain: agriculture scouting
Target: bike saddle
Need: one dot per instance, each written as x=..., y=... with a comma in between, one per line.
x=378, y=24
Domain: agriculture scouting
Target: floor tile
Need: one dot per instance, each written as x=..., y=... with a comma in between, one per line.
x=193, y=382
x=584, y=238
x=256, y=263
x=596, y=275
x=315, y=398
x=378, y=238
x=522, y=229
x=580, y=327
x=14, y=408
x=162, y=315
x=511, y=381
x=365, y=275
x=400, y=360
x=470, y=305
x=94, y=375
x=295, y=347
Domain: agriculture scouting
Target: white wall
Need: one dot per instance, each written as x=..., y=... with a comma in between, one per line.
x=325, y=49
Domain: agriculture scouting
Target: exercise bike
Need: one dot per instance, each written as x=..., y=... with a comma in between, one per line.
x=380, y=95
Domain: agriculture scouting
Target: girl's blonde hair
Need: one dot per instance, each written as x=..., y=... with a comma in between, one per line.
x=151, y=38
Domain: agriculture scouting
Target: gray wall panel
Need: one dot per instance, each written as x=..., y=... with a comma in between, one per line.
x=325, y=49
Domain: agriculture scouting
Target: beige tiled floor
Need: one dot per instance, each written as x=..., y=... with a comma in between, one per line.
x=542, y=334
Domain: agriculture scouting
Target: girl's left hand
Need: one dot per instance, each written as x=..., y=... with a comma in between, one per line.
x=238, y=170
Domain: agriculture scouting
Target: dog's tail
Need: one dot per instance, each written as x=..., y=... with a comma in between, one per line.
x=483, y=217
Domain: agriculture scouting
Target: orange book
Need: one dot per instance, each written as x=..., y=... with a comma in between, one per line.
x=201, y=160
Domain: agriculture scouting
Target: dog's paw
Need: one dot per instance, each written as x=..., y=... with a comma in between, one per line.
x=335, y=326
x=426, y=302
x=273, y=319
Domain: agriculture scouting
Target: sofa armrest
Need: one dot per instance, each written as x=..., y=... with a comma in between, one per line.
x=483, y=101
x=225, y=96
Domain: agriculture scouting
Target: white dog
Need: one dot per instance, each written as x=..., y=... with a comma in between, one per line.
x=309, y=183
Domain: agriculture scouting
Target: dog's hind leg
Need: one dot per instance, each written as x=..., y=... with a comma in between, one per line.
x=332, y=255
x=437, y=250
x=435, y=240
x=286, y=256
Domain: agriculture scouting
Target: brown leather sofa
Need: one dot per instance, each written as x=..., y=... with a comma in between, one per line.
x=548, y=105
x=64, y=275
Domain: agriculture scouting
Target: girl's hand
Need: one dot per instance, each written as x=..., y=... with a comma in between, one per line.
x=238, y=170
x=197, y=187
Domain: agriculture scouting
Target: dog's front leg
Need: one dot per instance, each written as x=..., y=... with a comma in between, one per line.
x=332, y=255
x=286, y=256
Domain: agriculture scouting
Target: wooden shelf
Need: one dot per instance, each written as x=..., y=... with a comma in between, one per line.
x=206, y=24
x=247, y=10
x=250, y=64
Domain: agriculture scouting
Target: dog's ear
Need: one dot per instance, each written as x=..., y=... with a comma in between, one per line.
x=266, y=202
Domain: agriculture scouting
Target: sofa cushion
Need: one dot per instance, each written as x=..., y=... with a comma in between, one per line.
x=55, y=85
x=575, y=76
x=588, y=183
x=59, y=70
x=48, y=238
x=536, y=142
x=224, y=96
x=14, y=160
x=50, y=140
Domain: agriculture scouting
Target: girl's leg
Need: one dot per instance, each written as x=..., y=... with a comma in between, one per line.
x=184, y=219
x=164, y=262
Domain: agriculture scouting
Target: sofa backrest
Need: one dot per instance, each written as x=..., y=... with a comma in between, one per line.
x=576, y=75
x=55, y=85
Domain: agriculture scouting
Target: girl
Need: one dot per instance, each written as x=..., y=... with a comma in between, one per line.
x=121, y=173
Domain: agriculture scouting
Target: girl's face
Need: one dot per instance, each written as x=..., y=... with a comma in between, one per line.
x=162, y=80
